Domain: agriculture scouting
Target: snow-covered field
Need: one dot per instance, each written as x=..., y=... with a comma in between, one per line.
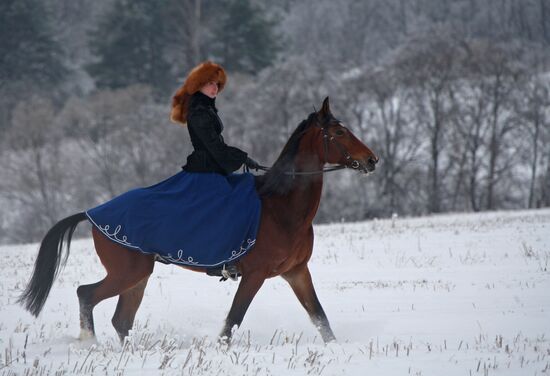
x=444, y=295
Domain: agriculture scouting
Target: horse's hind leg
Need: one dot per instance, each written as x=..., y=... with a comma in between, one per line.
x=128, y=304
x=84, y=293
x=130, y=298
x=125, y=269
x=299, y=279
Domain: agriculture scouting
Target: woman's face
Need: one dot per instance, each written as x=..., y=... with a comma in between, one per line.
x=210, y=89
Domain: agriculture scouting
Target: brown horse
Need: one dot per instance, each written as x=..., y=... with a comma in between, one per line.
x=290, y=193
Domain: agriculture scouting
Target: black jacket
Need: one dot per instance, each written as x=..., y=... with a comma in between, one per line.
x=211, y=154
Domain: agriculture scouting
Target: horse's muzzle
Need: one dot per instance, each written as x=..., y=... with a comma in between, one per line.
x=370, y=164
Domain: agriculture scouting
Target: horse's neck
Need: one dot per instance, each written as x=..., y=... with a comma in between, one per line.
x=299, y=206
x=305, y=196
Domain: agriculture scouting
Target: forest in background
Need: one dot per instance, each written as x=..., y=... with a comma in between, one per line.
x=453, y=95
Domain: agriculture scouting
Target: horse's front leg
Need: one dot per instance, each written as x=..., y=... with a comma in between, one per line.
x=249, y=286
x=299, y=279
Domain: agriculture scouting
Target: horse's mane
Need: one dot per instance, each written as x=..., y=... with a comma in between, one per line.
x=276, y=181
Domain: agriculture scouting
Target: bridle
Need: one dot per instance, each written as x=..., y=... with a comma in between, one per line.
x=355, y=164
x=327, y=139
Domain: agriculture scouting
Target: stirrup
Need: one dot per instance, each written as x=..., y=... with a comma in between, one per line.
x=226, y=274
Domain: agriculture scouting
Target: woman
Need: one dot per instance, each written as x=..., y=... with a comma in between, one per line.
x=204, y=216
x=195, y=105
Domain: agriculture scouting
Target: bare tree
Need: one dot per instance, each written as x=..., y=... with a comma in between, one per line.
x=32, y=171
x=282, y=96
x=535, y=120
x=379, y=110
x=545, y=180
x=472, y=128
x=429, y=68
x=93, y=122
x=185, y=17
x=497, y=75
x=151, y=149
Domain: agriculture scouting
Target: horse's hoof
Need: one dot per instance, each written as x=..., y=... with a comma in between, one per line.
x=86, y=335
x=224, y=340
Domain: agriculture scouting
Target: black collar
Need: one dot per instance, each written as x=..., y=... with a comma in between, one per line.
x=200, y=99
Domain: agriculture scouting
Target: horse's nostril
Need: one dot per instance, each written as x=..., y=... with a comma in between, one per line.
x=373, y=161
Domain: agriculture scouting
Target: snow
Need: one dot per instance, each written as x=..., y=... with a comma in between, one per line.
x=461, y=294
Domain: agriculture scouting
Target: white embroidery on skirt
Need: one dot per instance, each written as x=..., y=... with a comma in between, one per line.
x=180, y=259
x=105, y=230
x=242, y=250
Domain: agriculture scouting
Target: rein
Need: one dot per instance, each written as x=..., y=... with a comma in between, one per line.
x=355, y=164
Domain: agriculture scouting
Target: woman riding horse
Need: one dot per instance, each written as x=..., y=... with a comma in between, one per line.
x=173, y=219
x=290, y=195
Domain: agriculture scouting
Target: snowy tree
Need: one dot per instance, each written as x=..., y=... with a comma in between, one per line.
x=129, y=44
x=471, y=130
x=33, y=171
x=186, y=21
x=243, y=38
x=535, y=123
x=28, y=51
x=497, y=71
x=30, y=58
x=384, y=115
x=93, y=123
x=123, y=139
x=429, y=67
x=451, y=94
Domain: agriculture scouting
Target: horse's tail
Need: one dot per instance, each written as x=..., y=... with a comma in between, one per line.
x=47, y=263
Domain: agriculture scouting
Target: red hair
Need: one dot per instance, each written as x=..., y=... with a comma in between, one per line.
x=196, y=79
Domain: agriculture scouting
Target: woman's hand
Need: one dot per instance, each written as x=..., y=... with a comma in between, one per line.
x=252, y=164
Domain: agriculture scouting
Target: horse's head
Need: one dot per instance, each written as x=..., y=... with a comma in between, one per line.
x=319, y=139
x=340, y=146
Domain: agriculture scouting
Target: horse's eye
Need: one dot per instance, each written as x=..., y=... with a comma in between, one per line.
x=339, y=132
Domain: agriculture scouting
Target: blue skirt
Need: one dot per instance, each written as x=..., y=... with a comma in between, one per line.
x=194, y=219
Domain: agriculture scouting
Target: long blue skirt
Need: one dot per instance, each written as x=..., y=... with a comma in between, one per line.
x=194, y=219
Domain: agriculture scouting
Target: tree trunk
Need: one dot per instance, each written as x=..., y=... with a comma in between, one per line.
x=474, y=146
x=492, y=167
x=403, y=16
x=434, y=201
x=473, y=176
x=544, y=20
x=545, y=190
x=435, y=204
x=195, y=34
x=494, y=148
x=531, y=202
x=460, y=179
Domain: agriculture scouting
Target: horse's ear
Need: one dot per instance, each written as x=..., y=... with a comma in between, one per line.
x=325, y=108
